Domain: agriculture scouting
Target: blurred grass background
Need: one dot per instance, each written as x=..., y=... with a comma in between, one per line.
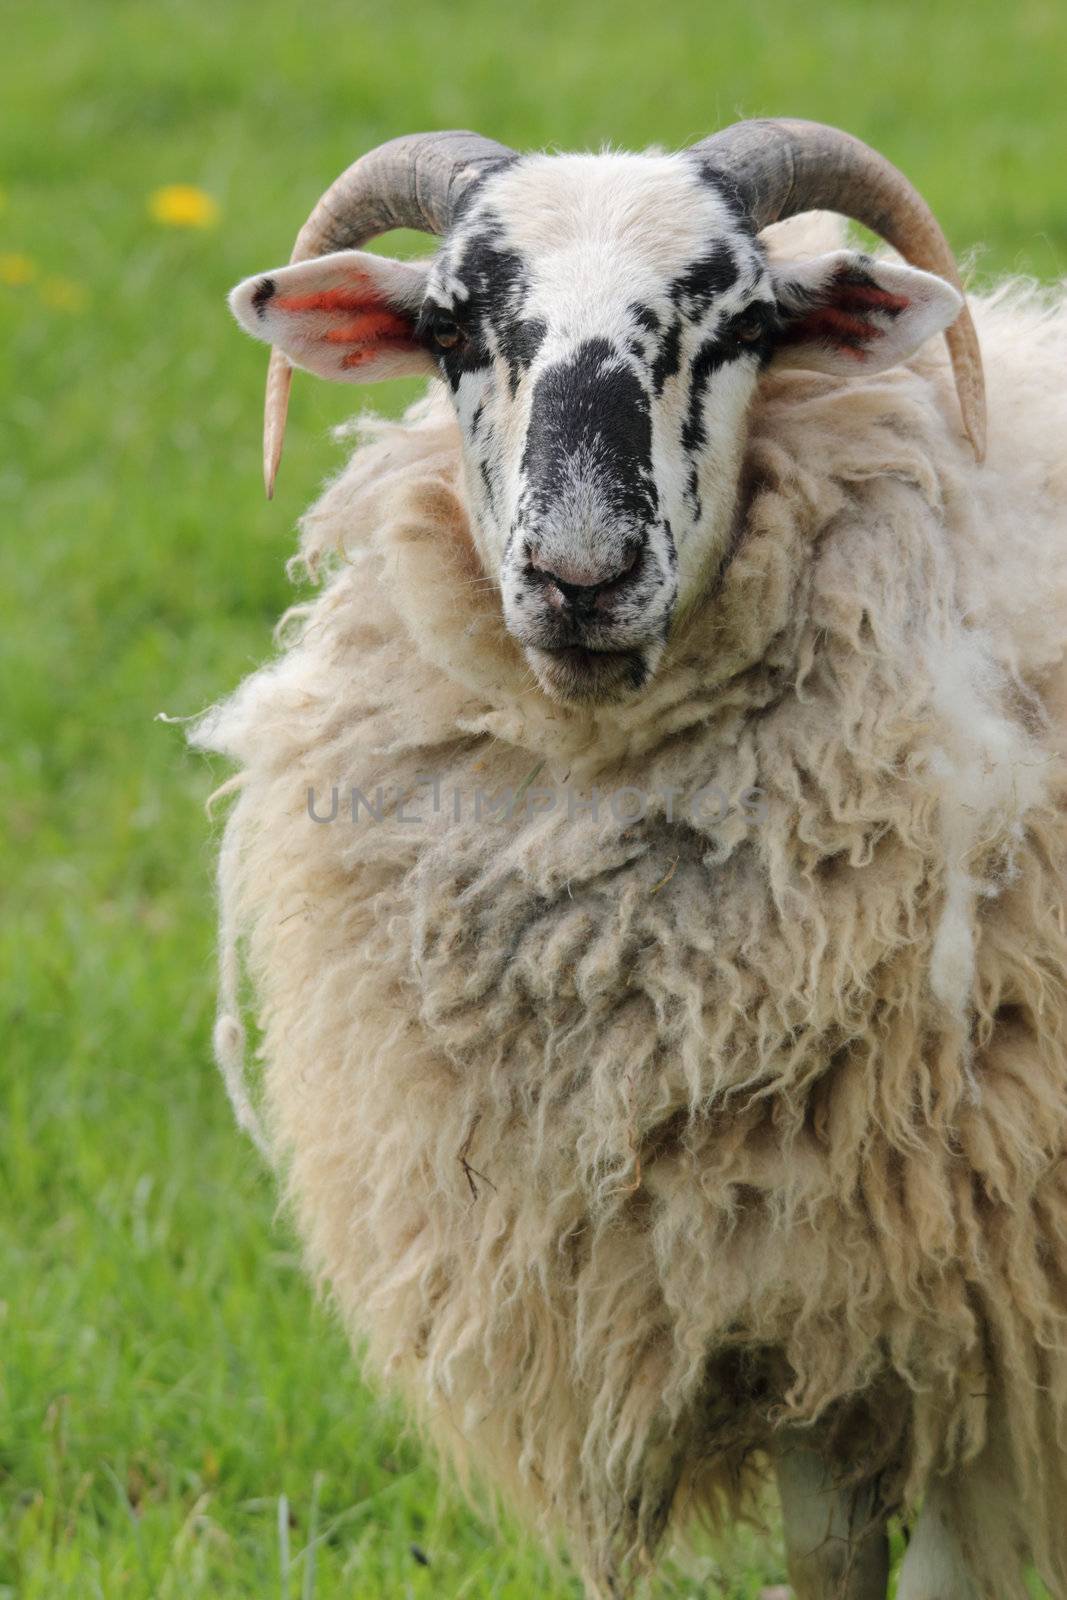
x=176, y=1418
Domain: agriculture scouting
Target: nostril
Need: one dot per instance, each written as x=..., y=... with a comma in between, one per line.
x=630, y=562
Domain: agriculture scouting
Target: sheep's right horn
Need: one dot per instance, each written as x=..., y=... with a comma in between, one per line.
x=782, y=166
x=416, y=181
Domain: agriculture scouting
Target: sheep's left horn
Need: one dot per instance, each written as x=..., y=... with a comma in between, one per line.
x=782, y=166
x=416, y=181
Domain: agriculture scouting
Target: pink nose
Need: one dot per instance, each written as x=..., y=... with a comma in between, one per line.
x=583, y=587
x=575, y=574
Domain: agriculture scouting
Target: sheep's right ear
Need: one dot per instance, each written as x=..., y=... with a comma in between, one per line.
x=349, y=316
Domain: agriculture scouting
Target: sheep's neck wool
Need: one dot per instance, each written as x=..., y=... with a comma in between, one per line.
x=619, y=1128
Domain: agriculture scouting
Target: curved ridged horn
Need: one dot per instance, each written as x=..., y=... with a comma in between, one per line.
x=416, y=181
x=780, y=167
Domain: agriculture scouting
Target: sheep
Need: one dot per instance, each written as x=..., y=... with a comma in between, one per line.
x=649, y=1144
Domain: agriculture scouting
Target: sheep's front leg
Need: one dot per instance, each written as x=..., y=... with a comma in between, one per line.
x=836, y=1543
x=934, y=1567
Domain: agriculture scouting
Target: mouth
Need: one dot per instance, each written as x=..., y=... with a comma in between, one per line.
x=580, y=673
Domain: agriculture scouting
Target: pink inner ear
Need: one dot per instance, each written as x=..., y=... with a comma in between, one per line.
x=351, y=317
x=339, y=299
x=827, y=325
x=852, y=293
x=843, y=318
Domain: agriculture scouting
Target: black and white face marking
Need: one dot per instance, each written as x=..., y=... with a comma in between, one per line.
x=601, y=321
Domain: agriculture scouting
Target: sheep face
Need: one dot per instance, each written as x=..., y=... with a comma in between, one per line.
x=601, y=323
x=610, y=315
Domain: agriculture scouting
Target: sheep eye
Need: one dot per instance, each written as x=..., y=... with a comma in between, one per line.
x=751, y=325
x=446, y=334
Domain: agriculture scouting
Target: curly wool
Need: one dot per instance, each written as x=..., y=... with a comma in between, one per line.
x=621, y=1141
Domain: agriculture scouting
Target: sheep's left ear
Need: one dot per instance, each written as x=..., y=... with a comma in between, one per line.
x=847, y=313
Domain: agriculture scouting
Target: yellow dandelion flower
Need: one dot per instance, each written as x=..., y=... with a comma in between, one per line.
x=63, y=294
x=183, y=205
x=16, y=270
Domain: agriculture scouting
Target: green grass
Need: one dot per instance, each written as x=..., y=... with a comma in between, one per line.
x=177, y=1418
